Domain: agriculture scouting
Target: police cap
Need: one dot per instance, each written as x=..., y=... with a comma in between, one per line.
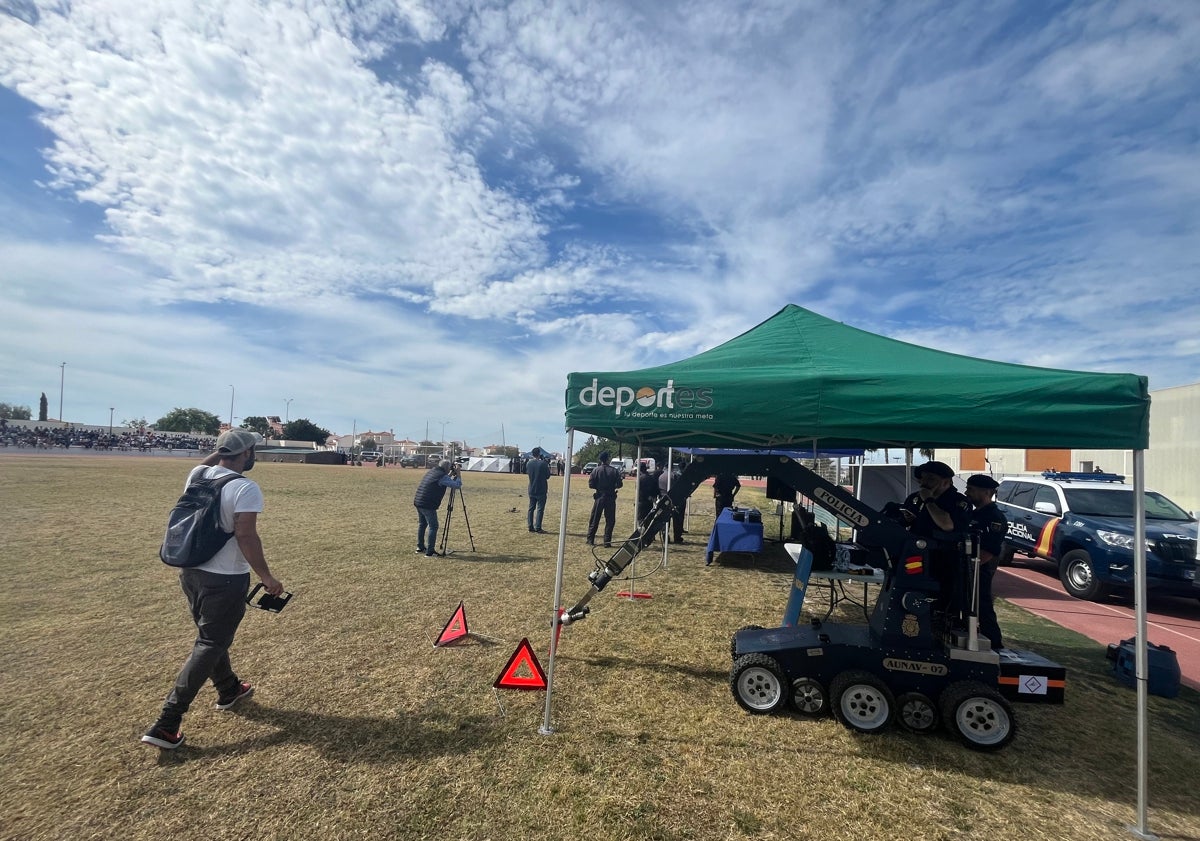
x=937, y=468
x=982, y=480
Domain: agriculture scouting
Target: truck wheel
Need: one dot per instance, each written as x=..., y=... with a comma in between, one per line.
x=1078, y=576
x=758, y=684
x=1007, y=551
x=861, y=701
x=916, y=713
x=979, y=714
x=733, y=639
x=808, y=696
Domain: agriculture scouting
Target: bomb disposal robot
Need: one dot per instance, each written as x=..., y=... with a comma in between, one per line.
x=907, y=664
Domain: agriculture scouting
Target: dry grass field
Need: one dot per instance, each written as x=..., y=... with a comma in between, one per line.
x=360, y=728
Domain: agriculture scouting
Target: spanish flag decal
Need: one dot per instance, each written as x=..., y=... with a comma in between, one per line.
x=1046, y=538
x=914, y=565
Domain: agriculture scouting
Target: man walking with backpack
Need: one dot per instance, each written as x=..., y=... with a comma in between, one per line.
x=216, y=589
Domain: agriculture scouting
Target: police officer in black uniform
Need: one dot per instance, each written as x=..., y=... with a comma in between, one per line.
x=603, y=481
x=942, y=520
x=990, y=525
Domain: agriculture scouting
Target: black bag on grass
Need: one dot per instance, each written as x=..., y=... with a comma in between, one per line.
x=194, y=535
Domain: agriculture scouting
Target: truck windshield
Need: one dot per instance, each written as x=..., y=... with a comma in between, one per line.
x=1108, y=503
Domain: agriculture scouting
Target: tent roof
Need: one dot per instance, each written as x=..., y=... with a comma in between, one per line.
x=800, y=379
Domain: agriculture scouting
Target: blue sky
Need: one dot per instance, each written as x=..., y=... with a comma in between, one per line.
x=401, y=213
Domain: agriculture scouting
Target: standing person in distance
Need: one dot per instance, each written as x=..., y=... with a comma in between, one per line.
x=647, y=489
x=538, y=471
x=990, y=524
x=725, y=488
x=428, y=498
x=672, y=477
x=604, y=482
x=216, y=590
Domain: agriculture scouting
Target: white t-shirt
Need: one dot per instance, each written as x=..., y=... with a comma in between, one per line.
x=241, y=496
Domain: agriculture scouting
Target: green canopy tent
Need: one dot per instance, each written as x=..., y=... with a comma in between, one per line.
x=800, y=379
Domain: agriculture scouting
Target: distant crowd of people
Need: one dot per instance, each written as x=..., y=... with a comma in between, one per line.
x=49, y=438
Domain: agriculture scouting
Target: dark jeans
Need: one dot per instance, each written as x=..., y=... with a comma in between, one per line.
x=428, y=519
x=606, y=505
x=217, y=603
x=537, y=508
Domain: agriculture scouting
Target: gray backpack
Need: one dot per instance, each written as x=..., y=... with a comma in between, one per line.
x=194, y=535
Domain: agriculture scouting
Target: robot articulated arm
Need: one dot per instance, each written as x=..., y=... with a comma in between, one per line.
x=873, y=529
x=655, y=520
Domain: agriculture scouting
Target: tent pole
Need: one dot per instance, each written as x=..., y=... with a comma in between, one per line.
x=546, y=729
x=637, y=512
x=1141, y=830
x=666, y=539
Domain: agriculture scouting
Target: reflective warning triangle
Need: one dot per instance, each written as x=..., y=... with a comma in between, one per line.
x=523, y=670
x=455, y=629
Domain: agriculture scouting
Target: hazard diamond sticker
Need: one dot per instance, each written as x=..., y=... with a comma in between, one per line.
x=523, y=670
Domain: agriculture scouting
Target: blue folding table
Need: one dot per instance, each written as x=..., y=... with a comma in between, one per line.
x=730, y=535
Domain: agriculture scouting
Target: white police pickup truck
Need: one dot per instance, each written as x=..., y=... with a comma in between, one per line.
x=1084, y=523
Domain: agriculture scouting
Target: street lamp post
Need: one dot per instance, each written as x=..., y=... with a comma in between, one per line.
x=287, y=409
x=232, y=392
x=111, y=409
x=62, y=378
x=444, y=437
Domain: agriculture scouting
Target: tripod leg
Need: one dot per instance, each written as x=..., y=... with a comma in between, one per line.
x=466, y=519
x=449, y=518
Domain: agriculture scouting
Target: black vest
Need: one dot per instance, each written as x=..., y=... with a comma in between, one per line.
x=429, y=492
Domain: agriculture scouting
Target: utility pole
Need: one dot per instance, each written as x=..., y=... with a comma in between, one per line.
x=62, y=378
x=232, y=392
x=287, y=409
x=111, y=409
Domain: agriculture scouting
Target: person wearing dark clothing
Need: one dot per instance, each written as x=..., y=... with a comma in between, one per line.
x=538, y=471
x=427, y=500
x=725, y=488
x=942, y=520
x=672, y=477
x=990, y=525
x=604, y=482
x=647, y=490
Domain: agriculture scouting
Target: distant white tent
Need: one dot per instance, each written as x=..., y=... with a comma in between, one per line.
x=490, y=464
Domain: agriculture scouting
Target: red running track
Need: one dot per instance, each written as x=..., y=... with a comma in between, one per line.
x=1174, y=622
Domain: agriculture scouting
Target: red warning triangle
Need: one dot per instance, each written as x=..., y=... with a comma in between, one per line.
x=455, y=629
x=523, y=670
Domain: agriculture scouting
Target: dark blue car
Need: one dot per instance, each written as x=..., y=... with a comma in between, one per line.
x=1084, y=523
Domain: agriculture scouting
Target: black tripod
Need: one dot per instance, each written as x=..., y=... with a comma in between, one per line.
x=450, y=518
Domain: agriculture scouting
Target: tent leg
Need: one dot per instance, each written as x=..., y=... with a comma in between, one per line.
x=668, y=530
x=1142, y=666
x=556, y=609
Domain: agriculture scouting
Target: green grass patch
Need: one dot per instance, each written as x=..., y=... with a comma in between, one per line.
x=360, y=728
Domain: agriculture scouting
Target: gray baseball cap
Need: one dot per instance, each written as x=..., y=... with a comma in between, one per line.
x=234, y=441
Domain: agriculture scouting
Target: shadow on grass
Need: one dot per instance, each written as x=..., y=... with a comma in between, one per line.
x=629, y=664
x=352, y=739
x=768, y=560
x=490, y=558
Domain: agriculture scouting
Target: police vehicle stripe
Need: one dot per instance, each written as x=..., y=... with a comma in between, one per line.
x=1045, y=542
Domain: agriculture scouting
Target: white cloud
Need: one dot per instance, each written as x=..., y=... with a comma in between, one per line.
x=250, y=154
